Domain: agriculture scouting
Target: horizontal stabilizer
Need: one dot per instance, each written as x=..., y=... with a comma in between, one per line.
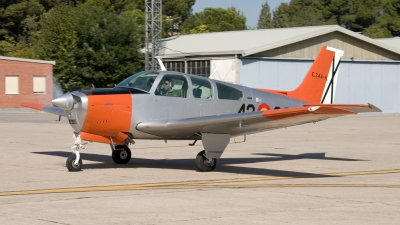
x=44, y=108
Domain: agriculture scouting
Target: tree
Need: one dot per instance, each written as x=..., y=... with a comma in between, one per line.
x=376, y=31
x=265, y=18
x=18, y=20
x=282, y=16
x=12, y=17
x=215, y=20
x=171, y=8
x=389, y=19
x=362, y=14
x=307, y=13
x=90, y=44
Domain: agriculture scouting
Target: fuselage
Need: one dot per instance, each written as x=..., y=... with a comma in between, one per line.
x=144, y=97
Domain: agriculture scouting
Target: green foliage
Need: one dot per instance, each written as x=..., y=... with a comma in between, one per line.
x=91, y=45
x=7, y=45
x=265, y=18
x=390, y=17
x=171, y=8
x=300, y=13
x=178, y=8
x=13, y=14
x=361, y=14
x=216, y=19
x=92, y=41
x=376, y=31
x=199, y=29
x=374, y=18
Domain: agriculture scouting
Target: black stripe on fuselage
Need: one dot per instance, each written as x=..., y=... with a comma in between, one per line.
x=113, y=91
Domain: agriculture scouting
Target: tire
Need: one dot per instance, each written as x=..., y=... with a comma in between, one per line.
x=71, y=164
x=202, y=164
x=121, y=154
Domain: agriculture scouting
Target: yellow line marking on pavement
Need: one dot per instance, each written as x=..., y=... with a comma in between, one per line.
x=206, y=184
x=285, y=186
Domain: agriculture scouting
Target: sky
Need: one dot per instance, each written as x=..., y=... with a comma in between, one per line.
x=250, y=8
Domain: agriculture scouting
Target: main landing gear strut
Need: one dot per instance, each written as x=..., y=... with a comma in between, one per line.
x=214, y=146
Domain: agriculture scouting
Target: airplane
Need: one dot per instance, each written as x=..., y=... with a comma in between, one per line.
x=168, y=105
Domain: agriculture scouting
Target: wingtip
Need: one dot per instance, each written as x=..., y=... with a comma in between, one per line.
x=374, y=108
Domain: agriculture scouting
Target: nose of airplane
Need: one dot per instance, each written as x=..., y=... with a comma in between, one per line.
x=65, y=101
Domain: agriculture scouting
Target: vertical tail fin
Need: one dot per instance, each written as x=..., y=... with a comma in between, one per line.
x=319, y=84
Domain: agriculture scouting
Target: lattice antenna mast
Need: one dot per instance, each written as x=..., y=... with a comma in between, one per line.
x=153, y=11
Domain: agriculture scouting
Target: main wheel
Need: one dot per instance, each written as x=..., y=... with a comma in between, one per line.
x=71, y=164
x=121, y=154
x=203, y=164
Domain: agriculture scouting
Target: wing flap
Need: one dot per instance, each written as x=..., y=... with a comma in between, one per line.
x=44, y=108
x=241, y=123
x=358, y=108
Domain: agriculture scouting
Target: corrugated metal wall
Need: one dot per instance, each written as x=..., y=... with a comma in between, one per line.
x=377, y=83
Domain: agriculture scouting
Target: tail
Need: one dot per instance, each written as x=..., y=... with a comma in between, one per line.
x=319, y=84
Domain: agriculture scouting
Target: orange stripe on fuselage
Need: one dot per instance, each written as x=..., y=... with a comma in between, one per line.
x=107, y=115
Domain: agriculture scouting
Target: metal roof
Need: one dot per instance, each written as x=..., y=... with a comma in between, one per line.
x=250, y=42
x=393, y=42
x=27, y=60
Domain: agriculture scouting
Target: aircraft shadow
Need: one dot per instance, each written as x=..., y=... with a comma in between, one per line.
x=225, y=165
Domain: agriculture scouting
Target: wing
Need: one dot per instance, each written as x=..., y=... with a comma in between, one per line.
x=246, y=123
x=45, y=108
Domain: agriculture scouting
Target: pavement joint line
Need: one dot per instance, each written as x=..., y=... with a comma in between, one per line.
x=203, y=184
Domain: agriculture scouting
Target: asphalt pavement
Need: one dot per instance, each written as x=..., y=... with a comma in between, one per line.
x=344, y=170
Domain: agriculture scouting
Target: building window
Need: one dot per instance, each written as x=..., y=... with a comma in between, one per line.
x=12, y=84
x=178, y=66
x=39, y=84
x=199, y=67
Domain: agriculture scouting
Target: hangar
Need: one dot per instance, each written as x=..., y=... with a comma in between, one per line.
x=279, y=59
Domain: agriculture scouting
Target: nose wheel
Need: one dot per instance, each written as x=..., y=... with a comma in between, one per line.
x=74, y=161
x=72, y=166
x=205, y=164
x=121, y=154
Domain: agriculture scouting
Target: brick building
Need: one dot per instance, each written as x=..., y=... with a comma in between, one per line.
x=25, y=80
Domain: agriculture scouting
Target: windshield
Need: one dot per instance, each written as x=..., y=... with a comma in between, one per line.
x=143, y=80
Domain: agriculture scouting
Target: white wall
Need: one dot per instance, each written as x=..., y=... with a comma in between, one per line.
x=225, y=70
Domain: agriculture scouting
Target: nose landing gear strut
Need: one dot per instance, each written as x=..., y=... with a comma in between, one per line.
x=74, y=161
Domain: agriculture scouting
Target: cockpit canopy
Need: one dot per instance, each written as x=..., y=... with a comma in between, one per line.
x=184, y=86
x=143, y=80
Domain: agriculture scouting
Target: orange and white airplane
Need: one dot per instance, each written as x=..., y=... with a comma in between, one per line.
x=168, y=105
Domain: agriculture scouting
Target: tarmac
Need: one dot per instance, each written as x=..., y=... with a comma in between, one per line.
x=340, y=171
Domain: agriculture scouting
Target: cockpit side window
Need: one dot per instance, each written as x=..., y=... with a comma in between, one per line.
x=143, y=80
x=227, y=92
x=173, y=86
x=201, y=88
